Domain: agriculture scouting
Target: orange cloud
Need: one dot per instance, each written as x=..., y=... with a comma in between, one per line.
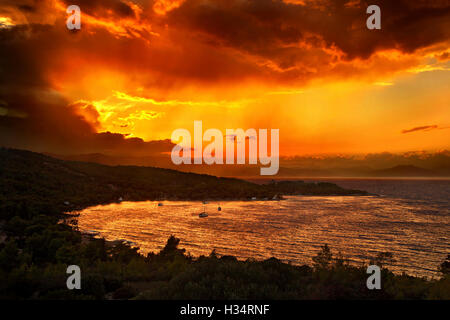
x=144, y=68
x=161, y=7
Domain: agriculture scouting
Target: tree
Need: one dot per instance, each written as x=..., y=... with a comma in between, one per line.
x=171, y=247
x=445, y=266
x=324, y=258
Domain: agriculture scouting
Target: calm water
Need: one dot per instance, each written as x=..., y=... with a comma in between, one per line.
x=410, y=219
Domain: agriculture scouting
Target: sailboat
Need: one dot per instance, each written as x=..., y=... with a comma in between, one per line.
x=203, y=214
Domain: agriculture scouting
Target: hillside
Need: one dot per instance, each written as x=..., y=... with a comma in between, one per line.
x=57, y=185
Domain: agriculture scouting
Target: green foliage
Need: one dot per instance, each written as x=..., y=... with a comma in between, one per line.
x=119, y=272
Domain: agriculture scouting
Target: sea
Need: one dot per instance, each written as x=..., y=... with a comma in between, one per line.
x=409, y=218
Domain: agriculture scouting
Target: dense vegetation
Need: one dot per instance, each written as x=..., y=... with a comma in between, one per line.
x=35, y=249
x=34, y=266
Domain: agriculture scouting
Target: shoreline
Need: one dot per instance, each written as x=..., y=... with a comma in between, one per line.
x=82, y=207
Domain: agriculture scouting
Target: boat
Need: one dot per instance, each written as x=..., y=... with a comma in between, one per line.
x=160, y=204
x=205, y=202
x=203, y=214
x=219, y=208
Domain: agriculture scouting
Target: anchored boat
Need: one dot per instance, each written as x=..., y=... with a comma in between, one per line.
x=203, y=214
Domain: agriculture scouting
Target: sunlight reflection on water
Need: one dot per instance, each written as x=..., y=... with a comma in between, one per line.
x=291, y=230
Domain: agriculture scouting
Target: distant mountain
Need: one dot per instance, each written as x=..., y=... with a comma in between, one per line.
x=443, y=170
x=404, y=171
x=287, y=168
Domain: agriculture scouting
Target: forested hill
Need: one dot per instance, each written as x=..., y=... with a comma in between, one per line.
x=33, y=179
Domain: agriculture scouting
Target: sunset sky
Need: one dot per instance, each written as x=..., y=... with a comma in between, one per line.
x=139, y=69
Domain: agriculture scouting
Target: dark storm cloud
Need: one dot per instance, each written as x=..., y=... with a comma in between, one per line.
x=35, y=116
x=256, y=26
x=102, y=8
x=20, y=64
x=302, y=41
